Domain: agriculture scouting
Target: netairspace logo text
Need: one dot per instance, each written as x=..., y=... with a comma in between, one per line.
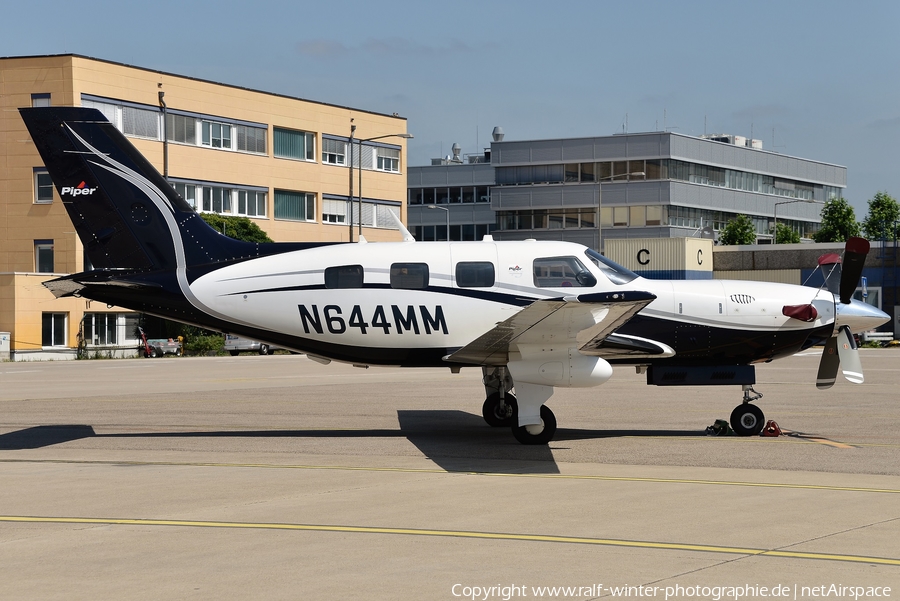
x=712, y=593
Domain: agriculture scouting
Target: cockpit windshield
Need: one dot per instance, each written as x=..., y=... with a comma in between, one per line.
x=615, y=273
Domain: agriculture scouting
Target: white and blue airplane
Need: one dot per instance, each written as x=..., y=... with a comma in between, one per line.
x=534, y=316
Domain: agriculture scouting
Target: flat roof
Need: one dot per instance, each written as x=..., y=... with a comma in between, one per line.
x=101, y=60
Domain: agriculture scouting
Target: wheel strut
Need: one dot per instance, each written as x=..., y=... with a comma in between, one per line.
x=748, y=397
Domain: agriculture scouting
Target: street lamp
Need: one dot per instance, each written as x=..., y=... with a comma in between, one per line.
x=359, y=144
x=350, y=197
x=775, y=214
x=447, y=215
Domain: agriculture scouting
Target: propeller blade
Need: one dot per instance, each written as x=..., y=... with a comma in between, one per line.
x=848, y=353
x=828, y=365
x=854, y=259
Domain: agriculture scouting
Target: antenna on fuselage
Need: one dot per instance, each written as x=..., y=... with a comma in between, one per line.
x=407, y=237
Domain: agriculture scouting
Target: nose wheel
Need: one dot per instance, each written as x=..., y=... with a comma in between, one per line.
x=747, y=419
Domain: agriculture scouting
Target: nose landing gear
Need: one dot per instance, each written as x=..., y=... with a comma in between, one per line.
x=747, y=419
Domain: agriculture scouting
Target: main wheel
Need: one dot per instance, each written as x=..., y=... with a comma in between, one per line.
x=263, y=349
x=747, y=420
x=541, y=434
x=234, y=353
x=494, y=414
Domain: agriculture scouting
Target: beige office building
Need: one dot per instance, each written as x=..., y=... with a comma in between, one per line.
x=283, y=162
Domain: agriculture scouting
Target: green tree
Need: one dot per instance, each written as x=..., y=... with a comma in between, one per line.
x=784, y=234
x=838, y=222
x=881, y=222
x=239, y=228
x=739, y=230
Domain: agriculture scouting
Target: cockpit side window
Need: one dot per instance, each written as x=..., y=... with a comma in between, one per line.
x=615, y=272
x=562, y=272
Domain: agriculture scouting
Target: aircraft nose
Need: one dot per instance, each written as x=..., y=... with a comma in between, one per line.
x=859, y=316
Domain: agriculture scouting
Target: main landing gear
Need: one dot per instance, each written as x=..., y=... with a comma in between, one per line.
x=501, y=407
x=747, y=419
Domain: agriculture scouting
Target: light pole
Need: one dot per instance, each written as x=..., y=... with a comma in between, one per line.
x=359, y=144
x=350, y=197
x=447, y=214
x=775, y=214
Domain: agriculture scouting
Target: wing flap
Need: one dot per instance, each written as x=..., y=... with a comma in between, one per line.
x=583, y=320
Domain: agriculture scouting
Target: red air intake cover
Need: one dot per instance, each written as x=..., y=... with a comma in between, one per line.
x=801, y=312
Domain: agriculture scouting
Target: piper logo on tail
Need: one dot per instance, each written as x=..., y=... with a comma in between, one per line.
x=79, y=190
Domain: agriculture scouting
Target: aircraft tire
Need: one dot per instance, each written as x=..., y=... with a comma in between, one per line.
x=235, y=353
x=747, y=420
x=492, y=413
x=264, y=349
x=546, y=435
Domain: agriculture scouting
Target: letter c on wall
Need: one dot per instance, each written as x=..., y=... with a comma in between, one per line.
x=643, y=261
x=699, y=256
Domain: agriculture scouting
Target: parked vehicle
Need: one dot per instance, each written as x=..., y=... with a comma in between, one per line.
x=236, y=344
x=157, y=347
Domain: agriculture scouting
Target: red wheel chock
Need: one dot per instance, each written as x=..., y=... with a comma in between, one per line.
x=771, y=429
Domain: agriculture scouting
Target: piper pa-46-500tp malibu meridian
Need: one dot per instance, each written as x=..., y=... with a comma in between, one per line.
x=532, y=315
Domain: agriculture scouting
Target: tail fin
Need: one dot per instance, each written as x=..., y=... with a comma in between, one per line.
x=126, y=214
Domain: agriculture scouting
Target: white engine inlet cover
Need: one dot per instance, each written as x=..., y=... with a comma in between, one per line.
x=566, y=369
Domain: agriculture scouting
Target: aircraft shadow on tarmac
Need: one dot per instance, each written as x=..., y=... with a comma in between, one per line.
x=454, y=440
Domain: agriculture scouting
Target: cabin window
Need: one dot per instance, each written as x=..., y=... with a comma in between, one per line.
x=344, y=276
x=562, y=272
x=409, y=276
x=475, y=274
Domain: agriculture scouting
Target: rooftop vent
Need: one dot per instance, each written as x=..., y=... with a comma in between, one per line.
x=497, y=134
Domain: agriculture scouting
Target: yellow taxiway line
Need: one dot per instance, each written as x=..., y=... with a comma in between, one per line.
x=459, y=534
x=821, y=487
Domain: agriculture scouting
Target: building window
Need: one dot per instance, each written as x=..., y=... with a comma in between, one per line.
x=409, y=276
x=100, y=329
x=637, y=216
x=40, y=100
x=216, y=199
x=53, y=329
x=43, y=186
x=334, y=211
x=140, y=123
x=110, y=329
x=295, y=206
x=334, y=152
x=181, y=128
x=251, y=204
x=43, y=256
x=290, y=144
x=251, y=139
x=388, y=159
x=188, y=192
x=344, y=276
x=216, y=135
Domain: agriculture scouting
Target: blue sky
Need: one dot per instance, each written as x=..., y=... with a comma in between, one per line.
x=820, y=80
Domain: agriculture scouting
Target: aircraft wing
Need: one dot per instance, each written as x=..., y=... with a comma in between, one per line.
x=585, y=320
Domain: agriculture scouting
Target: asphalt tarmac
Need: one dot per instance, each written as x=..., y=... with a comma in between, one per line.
x=279, y=478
